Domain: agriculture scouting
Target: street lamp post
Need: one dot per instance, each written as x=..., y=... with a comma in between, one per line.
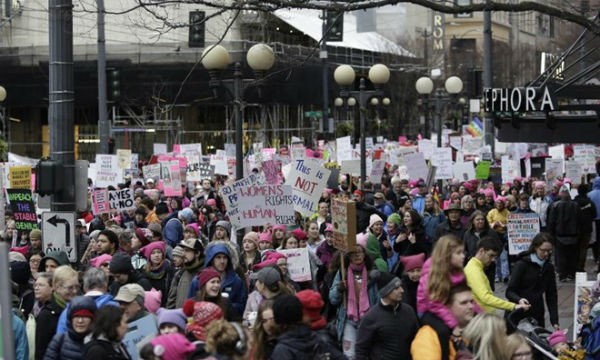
x=344, y=76
x=215, y=59
x=453, y=86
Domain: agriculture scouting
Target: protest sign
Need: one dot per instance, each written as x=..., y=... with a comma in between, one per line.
x=271, y=168
x=482, y=170
x=586, y=296
x=192, y=171
x=308, y=180
x=206, y=170
x=441, y=158
x=172, y=183
x=573, y=171
x=456, y=142
x=100, y=202
x=107, y=170
x=426, y=148
x=124, y=158
x=471, y=145
x=351, y=167
x=557, y=152
x=343, y=148
x=159, y=148
x=586, y=156
x=521, y=228
x=185, y=148
x=298, y=264
x=151, y=171
x=230, y=197
x=265, y=204
x=510, y=169
x=377, y=168
x=121, y=200
x=343, y=218
x=220, y=164
x=417, y=168
x=139, y=333
x=21, y=204
x=19, y=177
x=554, y=168
x=463, y=171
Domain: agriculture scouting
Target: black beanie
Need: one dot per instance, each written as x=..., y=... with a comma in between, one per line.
x=386, y=282
x=287, y=310
x=20, y=272
x=120, y=264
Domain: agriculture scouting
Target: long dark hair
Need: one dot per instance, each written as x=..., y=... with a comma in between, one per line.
x=538, y=240
x=367, y=259
x=107, y=320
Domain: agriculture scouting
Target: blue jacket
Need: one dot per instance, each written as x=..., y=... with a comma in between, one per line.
x=172, y=231
x=594, y=195
x=102, y=300
x=21, y=345
x=418, y=203
x=230, y=281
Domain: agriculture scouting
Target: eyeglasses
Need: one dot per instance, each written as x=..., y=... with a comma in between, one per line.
x=547, y=251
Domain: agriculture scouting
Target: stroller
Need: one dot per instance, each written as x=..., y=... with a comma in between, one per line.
x=536, y=336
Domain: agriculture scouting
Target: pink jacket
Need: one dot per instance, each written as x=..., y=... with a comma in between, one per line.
x=435, y=307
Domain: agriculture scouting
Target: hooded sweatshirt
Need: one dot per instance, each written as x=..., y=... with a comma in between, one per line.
x=594, y=195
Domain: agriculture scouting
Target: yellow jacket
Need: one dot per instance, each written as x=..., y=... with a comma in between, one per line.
x=500, y=216
x=426, y=345
x=480, y=287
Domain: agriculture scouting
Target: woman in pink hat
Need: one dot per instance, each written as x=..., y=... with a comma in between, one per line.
x=158, y=269
x=278, y=235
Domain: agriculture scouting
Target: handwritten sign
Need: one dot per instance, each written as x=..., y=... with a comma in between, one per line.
x=230, y=196
x=441, y=158
x=107, y=170
x=172, y=182
x=272, y=168
x=206, y=170
x=343, y=218
x=151, y=171
x=308, y=180
x=298, y=264
x=554, y=168
x=377, y=168
x=138, y=334
x=521, y=228
x=192, y=171
x=19, y=177
x=21, y=204
x=415, y=163
x=121, y=200
x=100, y=202
x=463, y=171
x=259, y=205
x=574, y=171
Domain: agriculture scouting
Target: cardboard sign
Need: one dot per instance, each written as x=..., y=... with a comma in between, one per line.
x=121, y=200
x=308, y=180
x=172, y=182
x=23, y=208
x=139, y=333
x=426, y=148
x=107, y=170
x=100, y=202
x=377, y=168
x=416, y=166
x=220, y=164
x=441, y=158
x=19, y=177
x=554, y=168
x=184, y=148
x=265, y=204
x=151, y=171
x=159, y=148
x=271, y=168
x=192, y=172
x=206, y=170
x=463, y=171
x=510, y=169
x=471, y=145
x=521, y=228
x=586, y=156
x=574, y=171
x=343, y=218
x=351, y=167
x=298, y=264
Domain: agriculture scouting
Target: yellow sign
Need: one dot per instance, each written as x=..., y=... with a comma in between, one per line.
x=19, y=177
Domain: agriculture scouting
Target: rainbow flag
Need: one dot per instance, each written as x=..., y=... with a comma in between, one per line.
x=475, y=127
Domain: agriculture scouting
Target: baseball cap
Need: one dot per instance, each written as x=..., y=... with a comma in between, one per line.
x=191, y=243
x=129, y=292
x=268, y=276
x=379, y=195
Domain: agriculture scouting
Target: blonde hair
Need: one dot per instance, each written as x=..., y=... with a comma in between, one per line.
x=486, y=334
x=514, y=342
x=221, y=337
x=62, y=274
x=439, y=282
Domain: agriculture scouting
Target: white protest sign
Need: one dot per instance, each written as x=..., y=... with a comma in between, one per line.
x=441, y=158
x=456, y=142
x=121, y=200
x=554, y=168
x=416, y=165
x=192, y=171
x=308, y=180
x=557, y=152
x=139, y=333
x=220, y=164
x=521, y=228
x=298, y=264
x=151, y=171
x=159, y=148
x=471, y=145
x=510, y=169
x=343, y=149
x=463, y=171
x=231, y=199
x=426, y=148
x=586, y=156
x=124, y=158
x=184, y=148
x=229, y=149
x=351, y=167
x=265, y=204
x=377, y=168
x=107, y=170
x=574, y=172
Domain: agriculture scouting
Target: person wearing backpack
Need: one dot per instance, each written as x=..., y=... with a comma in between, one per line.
x=70, y=345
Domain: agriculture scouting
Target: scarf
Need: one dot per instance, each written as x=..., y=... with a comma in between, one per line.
x=157, y=272
x=536, y=260
x=59, y=300
x=355, y=310
x=193, y=266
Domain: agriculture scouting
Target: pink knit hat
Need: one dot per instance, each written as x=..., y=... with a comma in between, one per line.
x=270, y=258
x=328, y=227
x=413, y=262
x=557, y=337
x=172, y=346
x=152, y=300
x=148, y=249
x=280, y=227
x=361, y=239
x=99, y=260
x=265, y=237
x=299, y=234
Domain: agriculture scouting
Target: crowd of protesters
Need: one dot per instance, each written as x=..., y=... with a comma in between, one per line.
x=418, y=284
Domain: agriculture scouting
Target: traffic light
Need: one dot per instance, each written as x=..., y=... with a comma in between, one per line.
x=335, y=25
x=49, y=177
x=196, y=33
x=114, y=85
